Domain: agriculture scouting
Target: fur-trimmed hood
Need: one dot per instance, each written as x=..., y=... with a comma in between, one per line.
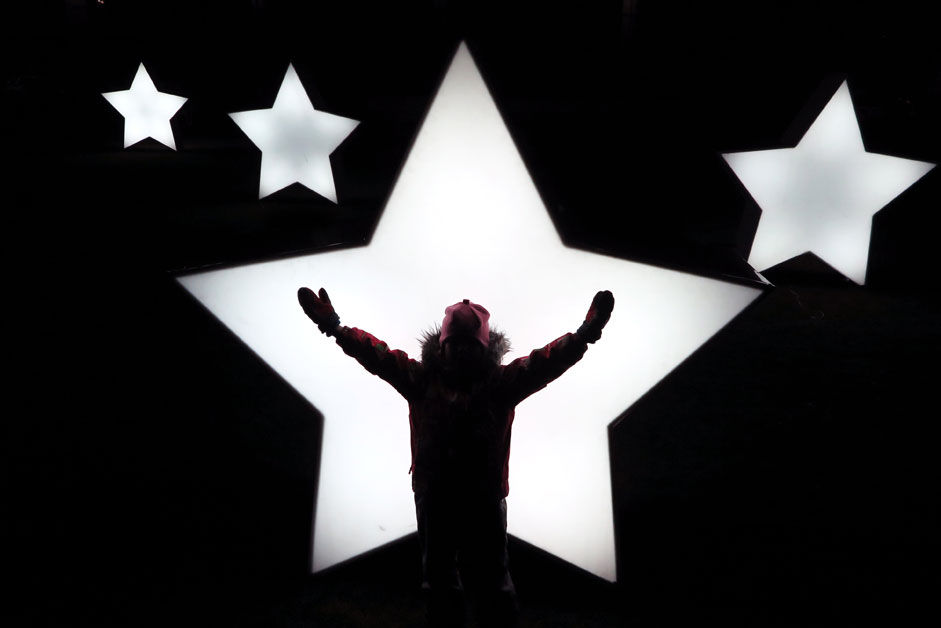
x=430, y=342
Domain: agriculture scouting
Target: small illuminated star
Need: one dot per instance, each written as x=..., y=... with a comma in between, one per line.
x=295, y=140
x=466, y=221
x=821, y=195
x=146, y=111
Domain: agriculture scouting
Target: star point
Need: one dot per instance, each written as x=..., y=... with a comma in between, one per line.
x=821, y=195
x=295, y=139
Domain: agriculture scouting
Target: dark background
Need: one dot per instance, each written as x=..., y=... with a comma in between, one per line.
x=159, y=473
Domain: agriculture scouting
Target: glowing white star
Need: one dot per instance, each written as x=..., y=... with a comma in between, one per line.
x=146, y=111
x=821, y=195
x=295, y=140
x=466, y=221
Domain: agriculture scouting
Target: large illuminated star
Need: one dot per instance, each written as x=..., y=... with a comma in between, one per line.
x=466, y=221
x=146, y=111
x=821, y=195
x=295, y=140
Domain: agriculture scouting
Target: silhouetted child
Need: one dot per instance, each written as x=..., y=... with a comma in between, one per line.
x=461, y=402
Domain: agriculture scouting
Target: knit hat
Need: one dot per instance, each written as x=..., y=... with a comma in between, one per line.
x=466, y=319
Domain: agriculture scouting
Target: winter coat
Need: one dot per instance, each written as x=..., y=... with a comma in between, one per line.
x=460, y=430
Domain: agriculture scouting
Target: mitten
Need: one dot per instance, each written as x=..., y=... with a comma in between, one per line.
x=597, y=317
x=319, y=309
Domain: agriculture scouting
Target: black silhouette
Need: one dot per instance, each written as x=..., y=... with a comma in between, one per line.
x=462, y=402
